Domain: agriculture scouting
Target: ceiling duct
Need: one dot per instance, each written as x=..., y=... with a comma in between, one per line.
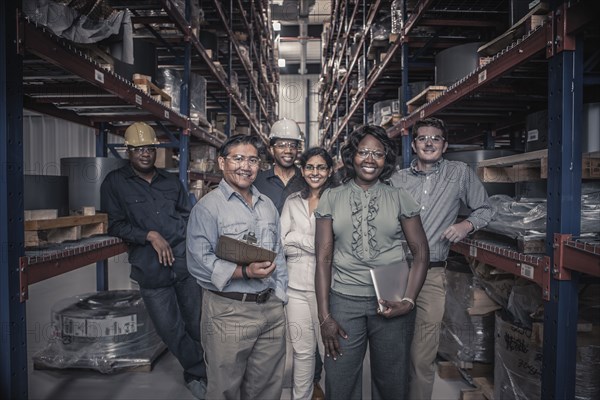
x=291, y=10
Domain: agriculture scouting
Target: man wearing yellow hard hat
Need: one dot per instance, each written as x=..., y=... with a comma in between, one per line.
x=148, y=208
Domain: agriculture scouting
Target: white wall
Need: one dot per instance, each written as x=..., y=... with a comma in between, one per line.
x=47, y=139
x=292, y=102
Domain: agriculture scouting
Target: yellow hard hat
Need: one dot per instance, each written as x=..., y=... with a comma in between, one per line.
x=140, y=134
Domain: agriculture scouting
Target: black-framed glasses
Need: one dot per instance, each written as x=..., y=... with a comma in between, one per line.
x=283, y=145
x=143, y=149
x=320, y=167
x=433, y=138
x=239, y=159
x=376, y=154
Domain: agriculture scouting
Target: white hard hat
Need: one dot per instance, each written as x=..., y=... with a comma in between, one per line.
x=140, y=134
x=285, y=129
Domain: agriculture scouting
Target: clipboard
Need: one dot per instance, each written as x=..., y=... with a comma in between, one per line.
x=390, y=281
x=241, y=252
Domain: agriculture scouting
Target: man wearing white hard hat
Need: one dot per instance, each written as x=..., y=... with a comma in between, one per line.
x=283, y=179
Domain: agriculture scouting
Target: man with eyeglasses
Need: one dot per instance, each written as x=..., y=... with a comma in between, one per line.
x=243, y=321
x=148, y=208
x=284, y=178
x=439, y=186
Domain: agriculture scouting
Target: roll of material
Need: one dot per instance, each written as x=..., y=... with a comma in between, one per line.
x=455, y=63
x=46, y=192
x=103, y=331
x=86, y=175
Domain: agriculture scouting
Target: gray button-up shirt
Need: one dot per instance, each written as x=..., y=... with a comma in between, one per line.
x=439, y=193
x=223, y=211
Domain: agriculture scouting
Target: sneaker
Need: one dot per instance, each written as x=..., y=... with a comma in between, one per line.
x=198, y=388
x=318, y=392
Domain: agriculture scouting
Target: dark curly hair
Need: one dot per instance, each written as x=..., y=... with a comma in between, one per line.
x=303, y=159
x=351, y=147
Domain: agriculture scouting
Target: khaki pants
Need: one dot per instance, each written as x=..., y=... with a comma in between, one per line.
x=244, y=346
x=430, y=311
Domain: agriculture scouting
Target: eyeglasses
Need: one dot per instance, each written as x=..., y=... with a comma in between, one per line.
x=283, y=145
x=239, y=159
x=143, y=149
x=376, y=154
x=433, y=138
x=320, y=167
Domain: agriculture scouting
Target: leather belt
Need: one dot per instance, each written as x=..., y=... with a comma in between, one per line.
x=258, y=298
x=438, y=264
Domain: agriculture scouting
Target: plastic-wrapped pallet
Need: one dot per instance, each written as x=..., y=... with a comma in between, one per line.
x=170, y=81
x=518, y=364
x=198, y=99
x=104, y=331
x=468, y=324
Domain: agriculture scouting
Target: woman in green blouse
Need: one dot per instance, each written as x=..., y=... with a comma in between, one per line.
x=360, y=225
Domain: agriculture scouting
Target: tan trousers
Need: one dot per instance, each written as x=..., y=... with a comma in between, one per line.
x=244, y=348
x=430, y=311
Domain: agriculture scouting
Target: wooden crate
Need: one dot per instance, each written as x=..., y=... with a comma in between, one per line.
x=530, y=166
x=57, y=230
x=426, y=96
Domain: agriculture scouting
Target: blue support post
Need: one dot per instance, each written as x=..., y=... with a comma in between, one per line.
x=565, y=104
x=229, y=74
x=184, y=108
x=406, y=139
x=13, y=346
x=101, y=151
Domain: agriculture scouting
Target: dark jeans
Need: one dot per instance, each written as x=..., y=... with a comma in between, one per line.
x=175, y=312
x=389, y=343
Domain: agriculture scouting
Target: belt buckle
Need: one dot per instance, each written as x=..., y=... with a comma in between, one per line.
x=263, y=297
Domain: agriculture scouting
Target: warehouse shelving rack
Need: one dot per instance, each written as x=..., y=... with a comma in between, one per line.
x=47, y=74
x=485, y=99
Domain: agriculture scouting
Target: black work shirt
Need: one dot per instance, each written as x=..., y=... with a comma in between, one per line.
x=272, y=186
x=136, y=207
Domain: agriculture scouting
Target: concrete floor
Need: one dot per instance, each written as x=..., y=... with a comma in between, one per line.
x=163, y=382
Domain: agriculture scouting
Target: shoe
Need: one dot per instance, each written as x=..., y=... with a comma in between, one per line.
x=318, y=392
x=198, y=388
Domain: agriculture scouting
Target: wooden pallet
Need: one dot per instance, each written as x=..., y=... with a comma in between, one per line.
x=451, y=370
x=57, y=230
x=140, y=364
x=531, y=166
x=484, y=390
x=144, y=83
x=426, y=96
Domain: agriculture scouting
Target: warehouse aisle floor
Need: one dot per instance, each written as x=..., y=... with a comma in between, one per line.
x=162, y=383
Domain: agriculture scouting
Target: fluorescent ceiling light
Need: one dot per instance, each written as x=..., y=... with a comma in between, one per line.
x=281, y=62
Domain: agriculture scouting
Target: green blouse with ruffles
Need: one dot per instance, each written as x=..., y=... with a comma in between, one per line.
x=367, y=232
